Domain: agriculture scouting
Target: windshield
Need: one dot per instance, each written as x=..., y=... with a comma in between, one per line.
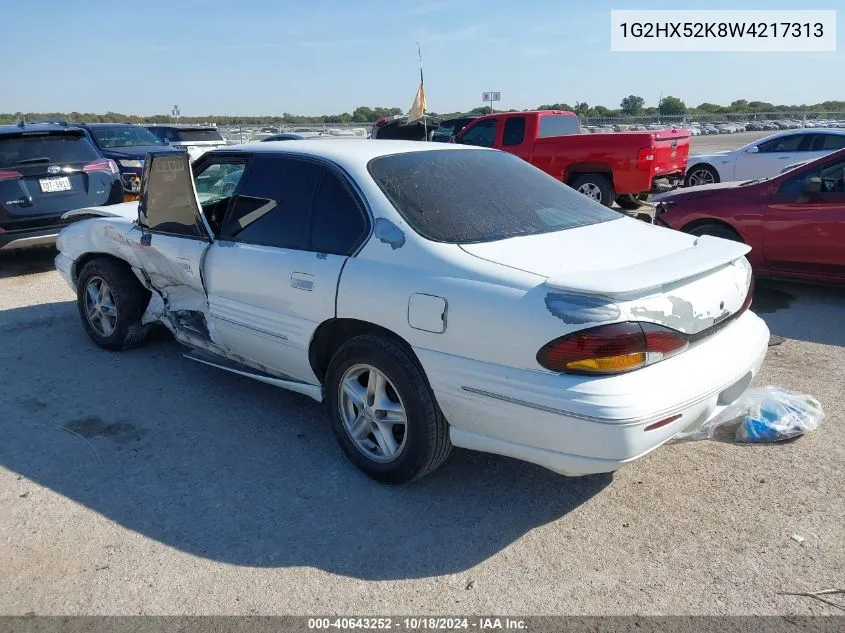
x=129, y=136
x=464, y=196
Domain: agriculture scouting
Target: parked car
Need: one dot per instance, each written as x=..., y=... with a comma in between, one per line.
x=127, y=145
x=620, y=166
x=194, y=140
x=403, y=263
x=295, y=136
x=46, y=170
x=762, y=158
x=399, y=128
x=449, y=128
x=794, y=222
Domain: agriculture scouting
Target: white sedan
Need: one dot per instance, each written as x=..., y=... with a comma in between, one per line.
x=763, y=158
x=433, y=295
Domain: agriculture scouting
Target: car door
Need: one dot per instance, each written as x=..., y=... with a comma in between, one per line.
x=770, y=157
x=171, y=234
x=272, y=274
x=804, y=231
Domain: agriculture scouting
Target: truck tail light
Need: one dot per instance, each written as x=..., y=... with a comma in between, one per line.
x=10, y=175
x=611, y=349
x=645, y=158
x=107, y=165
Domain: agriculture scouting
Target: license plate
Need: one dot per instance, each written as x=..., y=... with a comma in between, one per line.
x=51, y=185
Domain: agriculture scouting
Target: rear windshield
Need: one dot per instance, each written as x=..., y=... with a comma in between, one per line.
x=462, y=196
x=199, y=135
x=125, y=136
x=559, y=125
x=45, y=149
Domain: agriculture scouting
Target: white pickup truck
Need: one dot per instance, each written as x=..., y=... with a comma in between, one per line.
x=195, y=140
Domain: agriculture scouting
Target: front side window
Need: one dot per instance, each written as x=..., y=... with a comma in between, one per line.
x=782, y=144
x=462, y=196
x=482, y=134
x=273, y=205
x=168, y=203
x=832, y=176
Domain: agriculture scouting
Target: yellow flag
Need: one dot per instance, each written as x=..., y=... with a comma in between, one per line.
x=418, y=107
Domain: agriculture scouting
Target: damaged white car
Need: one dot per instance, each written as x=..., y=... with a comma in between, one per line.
x=434, y=295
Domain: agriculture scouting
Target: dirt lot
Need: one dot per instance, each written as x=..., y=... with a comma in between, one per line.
x=140, y=482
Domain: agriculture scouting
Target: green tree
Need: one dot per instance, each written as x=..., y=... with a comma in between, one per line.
x=672, y=106
x=709, y=108
x=632, y=105
x=555, y=106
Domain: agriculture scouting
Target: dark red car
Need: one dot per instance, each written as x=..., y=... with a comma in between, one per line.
x=794, y=222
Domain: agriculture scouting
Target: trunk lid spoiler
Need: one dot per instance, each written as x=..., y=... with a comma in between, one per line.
x=707, y=253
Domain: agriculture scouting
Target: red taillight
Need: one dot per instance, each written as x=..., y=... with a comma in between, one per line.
x=10, y=175
x=645, y=158
x=106, y=165
x=611, y=349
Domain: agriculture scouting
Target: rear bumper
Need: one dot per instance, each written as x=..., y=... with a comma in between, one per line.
x=599, y=424
x=28, y=238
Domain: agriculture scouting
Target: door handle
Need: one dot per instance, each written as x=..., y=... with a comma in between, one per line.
x=302, y=281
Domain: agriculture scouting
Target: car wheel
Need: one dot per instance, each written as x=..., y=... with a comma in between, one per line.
x=111, y=302
x=701, y=174
x=716, y=230
x=629, y=201
x=595, y=186
x=384, y=414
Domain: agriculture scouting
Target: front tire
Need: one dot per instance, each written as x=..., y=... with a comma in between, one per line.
x=111, y=302
x=701, y=174
x=595, y=186
x=716, y=230
x=384, y=414
x=629, y=201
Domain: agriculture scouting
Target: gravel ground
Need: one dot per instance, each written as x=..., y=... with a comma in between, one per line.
x=142, y=483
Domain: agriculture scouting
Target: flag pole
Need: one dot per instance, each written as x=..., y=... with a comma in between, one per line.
x=422, y=83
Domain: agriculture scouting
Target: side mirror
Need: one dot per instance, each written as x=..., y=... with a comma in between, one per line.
x=812, y=186
x=753, y=150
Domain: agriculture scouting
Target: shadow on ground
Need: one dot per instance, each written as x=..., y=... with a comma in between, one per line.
x=801, y=311
x=229, y=469
x=26, y=262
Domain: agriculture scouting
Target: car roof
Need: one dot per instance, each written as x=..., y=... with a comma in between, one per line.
x=180, y=127
x=14, y=128
x=95, y=125
x=346, y=151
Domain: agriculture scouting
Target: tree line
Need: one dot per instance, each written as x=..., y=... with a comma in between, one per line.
x=632, y=105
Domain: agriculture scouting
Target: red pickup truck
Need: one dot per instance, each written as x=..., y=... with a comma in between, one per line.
x=607, y=167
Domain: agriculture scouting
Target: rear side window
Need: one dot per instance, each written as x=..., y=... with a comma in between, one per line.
x=514, y=131
x=198, y=135
x=167, y=202
x=558, y=125
x=273, y=205
x=339, y=223
x=833, y=141
x=46, y=149
x=462, y=196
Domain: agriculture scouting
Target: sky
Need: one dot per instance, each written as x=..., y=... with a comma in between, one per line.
x=265, y=57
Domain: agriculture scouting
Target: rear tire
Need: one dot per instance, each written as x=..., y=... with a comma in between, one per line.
x=111, y=302
x=716, y=230
x=364, y=418
x=595, y=186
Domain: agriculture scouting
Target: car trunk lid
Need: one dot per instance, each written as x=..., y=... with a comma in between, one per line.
x=671, y=151
x=652, y=274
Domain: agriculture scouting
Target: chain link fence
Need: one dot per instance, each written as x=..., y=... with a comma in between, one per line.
x=751, y=121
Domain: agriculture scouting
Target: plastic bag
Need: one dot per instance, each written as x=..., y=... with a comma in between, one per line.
x=763, y=414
